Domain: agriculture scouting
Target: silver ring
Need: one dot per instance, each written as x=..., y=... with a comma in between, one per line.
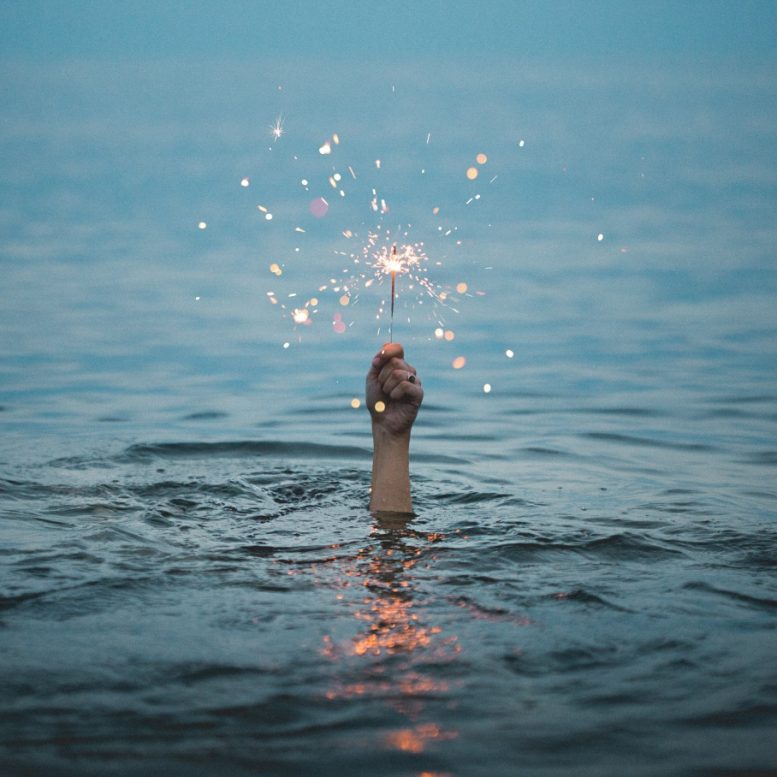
x=410, y=377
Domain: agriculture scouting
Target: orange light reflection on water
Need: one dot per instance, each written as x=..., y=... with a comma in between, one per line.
x=383, y=659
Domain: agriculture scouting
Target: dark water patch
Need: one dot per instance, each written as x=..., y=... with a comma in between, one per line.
x=112, y=419
x=629, y=412
x=536, y=450
x=736, y=716
x=196, y=673
x=766, y=458
x=205, y=415
x=10, y=602
x=743, y=399
x=458, y=437
x=759, y=494
x=145, y=452
x=729, y=412
x=768, y=605
x=647, y=442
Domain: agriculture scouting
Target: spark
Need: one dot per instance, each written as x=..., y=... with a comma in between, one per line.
x=276, y=128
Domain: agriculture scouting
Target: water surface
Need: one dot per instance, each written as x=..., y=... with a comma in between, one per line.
x=191, y=581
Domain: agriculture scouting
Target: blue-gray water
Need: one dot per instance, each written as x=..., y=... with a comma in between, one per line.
x=191, y=582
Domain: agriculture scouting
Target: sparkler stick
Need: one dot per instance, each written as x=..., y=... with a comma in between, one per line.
x=393, y=280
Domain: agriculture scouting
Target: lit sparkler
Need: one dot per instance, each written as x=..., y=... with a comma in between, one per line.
x=383, y=253
x=391, y=264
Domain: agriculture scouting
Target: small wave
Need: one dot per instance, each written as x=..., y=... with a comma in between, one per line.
x=541, y=451
x=752, y=601
x=205, y=415
x=633, y=412
x=622, y=547
x=586, y=597
x=144, y=452
x=646, y=442
x=470, y=497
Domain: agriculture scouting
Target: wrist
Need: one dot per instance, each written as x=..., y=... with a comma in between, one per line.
x=385, y=438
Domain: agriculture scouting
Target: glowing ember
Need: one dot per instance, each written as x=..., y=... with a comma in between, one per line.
x=472, y=173
x=300, y=316
x=486, y=388
x=245, y=182
x=203, y=225
x=380, y=406
x=458, y=362
x=356, y=403
x=509, y=353
x=481, y=159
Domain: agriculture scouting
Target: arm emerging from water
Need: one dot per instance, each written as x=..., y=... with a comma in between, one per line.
x=394, y=394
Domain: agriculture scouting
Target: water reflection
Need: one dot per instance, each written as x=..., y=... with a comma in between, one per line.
x=397, y=655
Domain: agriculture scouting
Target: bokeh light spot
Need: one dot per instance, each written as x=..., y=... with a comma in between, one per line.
x=318, y=207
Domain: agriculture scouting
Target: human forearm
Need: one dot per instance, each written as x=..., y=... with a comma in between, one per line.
x=390, y=472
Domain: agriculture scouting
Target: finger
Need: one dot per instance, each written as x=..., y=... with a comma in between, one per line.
x=393, y=380
x=410, y=392
x=389, y=351
x=393, y=365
